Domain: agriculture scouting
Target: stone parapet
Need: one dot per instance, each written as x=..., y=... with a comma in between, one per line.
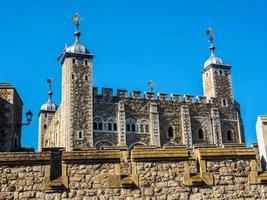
x=24, y=158
x=167, y=173
x=92, y=156
x=229, y=152
x=145, y=154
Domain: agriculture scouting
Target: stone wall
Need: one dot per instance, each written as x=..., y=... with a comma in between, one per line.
x=170, y=173
x=10, y=118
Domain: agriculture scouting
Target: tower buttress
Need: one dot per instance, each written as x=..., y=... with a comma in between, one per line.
x=77, y=94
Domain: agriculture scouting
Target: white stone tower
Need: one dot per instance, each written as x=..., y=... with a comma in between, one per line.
x=217, y=76
x=46, y=114
x=77, y=94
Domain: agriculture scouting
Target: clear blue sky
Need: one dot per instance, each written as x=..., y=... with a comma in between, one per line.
x=134, y=42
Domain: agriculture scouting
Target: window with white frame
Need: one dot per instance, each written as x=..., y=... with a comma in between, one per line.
x=98, y=123
x=224, y=103
x=80, y=134
x=143, y=126
x=170, y=132
x=130, y=125
x=111, y=124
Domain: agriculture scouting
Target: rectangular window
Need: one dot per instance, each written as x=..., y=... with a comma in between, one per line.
x=80, y=134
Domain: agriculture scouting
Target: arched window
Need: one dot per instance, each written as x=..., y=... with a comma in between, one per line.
x=115, y=127
x=100, y=126
x=200, y=134
x=95, y=125
x=221, y=73
x=147, y=128
x=98, y=123
x=141, y=128
x=109, y=126
x=86, y=78
x=45, y=126
x=133, y=127
x=72, y=76
x=224, y=102
x=128, y=127
x=86, y=62
x=73, y=61
x=170, y=132
x=229, y=135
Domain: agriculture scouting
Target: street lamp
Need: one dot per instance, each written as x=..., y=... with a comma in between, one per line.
x=29, y=118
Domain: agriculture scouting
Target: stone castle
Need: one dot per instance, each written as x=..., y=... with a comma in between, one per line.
x=104, y=146
x=87, y=118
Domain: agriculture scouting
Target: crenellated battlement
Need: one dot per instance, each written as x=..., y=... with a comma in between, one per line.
x=148, y=95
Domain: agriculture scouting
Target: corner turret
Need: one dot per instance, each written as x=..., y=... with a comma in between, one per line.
x=46, y=114
x=77, y=94
x=216, y=76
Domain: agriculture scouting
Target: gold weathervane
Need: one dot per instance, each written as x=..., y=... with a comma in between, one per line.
x=76, y=19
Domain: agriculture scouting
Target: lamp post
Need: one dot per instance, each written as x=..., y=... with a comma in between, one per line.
x=28, y=118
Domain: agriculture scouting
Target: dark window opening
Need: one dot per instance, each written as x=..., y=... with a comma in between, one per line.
x=95, y=126
x=86, y=77
x=133, y=127
x=100, y=126
x=200, y=134
x=170, y=132
x=221, y=72
x=72, y=76
x=73, y=61
x=80, y=135
x=229, y=135
x=224, y=102
x=45, y=126
x=115, y=127
x=128, y=127
x=141, y=128
x=147, y=128
x=86, y=62
x=109, y=126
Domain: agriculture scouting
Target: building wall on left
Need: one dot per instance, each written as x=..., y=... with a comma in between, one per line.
x=10, y=118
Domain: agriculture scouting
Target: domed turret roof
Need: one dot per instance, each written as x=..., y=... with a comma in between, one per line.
x=77, y=47
x=213, y=60
x=50, y=104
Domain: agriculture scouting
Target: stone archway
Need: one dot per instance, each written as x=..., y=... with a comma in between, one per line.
x=102, y=143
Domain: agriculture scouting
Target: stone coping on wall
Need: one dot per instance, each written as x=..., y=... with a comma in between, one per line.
x=92, y=156
x=22, y=158
x=263, y=177
x=153, y=154
x=219, y=152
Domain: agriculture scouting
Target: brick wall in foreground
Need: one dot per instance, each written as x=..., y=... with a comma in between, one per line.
x=231, y=172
